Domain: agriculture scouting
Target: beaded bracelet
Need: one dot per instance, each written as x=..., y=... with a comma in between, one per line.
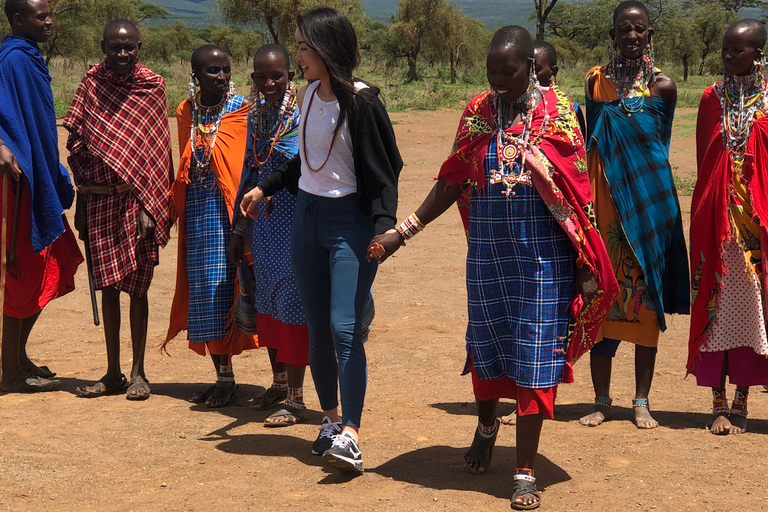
x=410, y=227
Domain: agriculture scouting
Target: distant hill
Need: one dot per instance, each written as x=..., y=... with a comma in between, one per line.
x=493, y=13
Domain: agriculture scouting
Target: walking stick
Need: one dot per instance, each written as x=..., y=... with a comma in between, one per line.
x=91, y=287
x=3, y=242
x=14, y=228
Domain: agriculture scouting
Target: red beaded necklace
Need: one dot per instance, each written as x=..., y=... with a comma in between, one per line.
x=304, y=136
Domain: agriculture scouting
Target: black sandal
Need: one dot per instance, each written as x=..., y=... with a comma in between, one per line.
x=522, y=485
x=103, y=387
x=201, y=396
x=482, y=450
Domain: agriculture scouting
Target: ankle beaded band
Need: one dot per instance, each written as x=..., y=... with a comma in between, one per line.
x=410, y=227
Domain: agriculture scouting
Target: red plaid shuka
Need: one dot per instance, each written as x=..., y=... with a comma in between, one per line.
x=119, y=132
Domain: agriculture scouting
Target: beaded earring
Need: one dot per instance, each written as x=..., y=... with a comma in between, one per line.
x=651, y=67
x=192, y=87
x=232, y=88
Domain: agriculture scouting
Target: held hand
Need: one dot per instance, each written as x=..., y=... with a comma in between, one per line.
x=384, y=245
x=8, y=163
x=269, y=206
x=249, y=204
x=235, y=250
x=81, y=223
x=146, y=226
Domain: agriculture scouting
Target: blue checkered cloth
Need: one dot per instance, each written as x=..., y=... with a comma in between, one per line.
x=211, y=276
x=519, y=285
x=635, y=152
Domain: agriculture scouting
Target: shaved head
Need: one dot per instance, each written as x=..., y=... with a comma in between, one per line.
x=117, y=26
x=515, y=36
x=751, y=31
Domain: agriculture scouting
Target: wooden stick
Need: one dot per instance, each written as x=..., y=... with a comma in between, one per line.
x=15, y=227
x=3, y=244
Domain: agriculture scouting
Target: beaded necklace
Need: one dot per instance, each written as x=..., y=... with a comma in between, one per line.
x=270, y=123
x=204, y=135
x=741, y=97
x=632, y=77
x=304, y=136
x=511, y=150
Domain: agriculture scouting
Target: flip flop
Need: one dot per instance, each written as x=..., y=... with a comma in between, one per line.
x=269, y=399
x=103, y=387
x=40, y=371
x=201, y=396
x=292, y=415
x=138, y=389
x=219, y=393
x=32, y=385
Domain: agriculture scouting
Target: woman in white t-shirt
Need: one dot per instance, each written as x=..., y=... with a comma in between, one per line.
x=346, y=179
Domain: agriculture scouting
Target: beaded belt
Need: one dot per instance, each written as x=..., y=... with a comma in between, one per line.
x=104, y=190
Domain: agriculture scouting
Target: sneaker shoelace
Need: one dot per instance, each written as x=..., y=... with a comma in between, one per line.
x=342, y=442
x=328, y=430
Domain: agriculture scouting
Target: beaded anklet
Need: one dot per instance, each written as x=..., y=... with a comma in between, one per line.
x=739, y=404
x=640, y=402
x=603, y=400
x=719, y=402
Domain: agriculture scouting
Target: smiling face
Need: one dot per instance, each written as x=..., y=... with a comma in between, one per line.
x=121, y=47
x=312, y=66
x=739, y=53
x=631, y=32
x=507, y=72
x=35, y=22
x=271, y=76
x=213, y=73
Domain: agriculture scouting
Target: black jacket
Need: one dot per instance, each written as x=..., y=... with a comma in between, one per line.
x=377, y=162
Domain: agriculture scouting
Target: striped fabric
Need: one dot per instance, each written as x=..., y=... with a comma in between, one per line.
x=519, y=285
x=635, y=150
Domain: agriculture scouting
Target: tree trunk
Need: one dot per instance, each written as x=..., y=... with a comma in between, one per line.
x=412, y=75
x=685, y=68
x=453, y=65
x=540, y=20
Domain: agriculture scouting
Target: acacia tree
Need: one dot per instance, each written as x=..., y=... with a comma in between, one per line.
x=543, y=8
x=415, y=19
x=279, y=16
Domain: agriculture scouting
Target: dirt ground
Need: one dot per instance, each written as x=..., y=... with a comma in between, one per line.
x=59, y=452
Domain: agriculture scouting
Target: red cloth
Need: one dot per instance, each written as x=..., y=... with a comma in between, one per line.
x=744, y=368
x=123, y=121
x=529, y=401
x=710, y=225
x=215, y=347
x=566, y=192
x=33, y=280
x=290, y=340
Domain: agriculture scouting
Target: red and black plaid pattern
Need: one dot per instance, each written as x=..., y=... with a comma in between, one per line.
x=123, y=121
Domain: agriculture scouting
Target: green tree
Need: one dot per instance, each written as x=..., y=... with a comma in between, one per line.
x=279, y=16
x=542, y=10
x=415, y=19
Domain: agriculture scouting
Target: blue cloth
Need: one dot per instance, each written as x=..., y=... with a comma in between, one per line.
x=329, y=241
x=608, y=347
x=274, y=292
x=211, y=276
x=634, y=150
x=519, y=284
x=28, y=127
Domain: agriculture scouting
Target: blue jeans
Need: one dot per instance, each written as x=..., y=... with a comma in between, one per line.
x=329, y=238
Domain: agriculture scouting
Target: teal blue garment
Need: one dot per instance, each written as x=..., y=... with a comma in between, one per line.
x=634, y=149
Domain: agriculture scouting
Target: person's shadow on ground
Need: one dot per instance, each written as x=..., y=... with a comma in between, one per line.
x=442, y=467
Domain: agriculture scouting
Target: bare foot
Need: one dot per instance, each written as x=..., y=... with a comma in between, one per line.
x=601, y=413
x=643, y=418
x=509, y=419
x=721, y=425
x=738, y=424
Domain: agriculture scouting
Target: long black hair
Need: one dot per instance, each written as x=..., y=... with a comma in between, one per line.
x=329, y=33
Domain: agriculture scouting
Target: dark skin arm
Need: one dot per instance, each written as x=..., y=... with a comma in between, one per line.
x=235, y=250
x=439, y=199
x=8, y=164
x=146, y=225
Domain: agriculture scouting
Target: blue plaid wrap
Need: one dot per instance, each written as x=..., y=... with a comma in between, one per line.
x=635, y=153
x=211, y=276
x=519, y=285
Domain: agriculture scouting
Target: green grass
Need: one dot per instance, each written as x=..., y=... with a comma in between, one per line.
x=684, y=184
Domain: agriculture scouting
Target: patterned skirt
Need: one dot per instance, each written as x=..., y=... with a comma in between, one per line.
x=519, y=285
x=211, y=276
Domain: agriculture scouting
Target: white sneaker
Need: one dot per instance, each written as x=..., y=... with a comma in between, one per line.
x=344, y=454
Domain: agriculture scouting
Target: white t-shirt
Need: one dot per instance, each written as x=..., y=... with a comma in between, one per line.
x=337, y=177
